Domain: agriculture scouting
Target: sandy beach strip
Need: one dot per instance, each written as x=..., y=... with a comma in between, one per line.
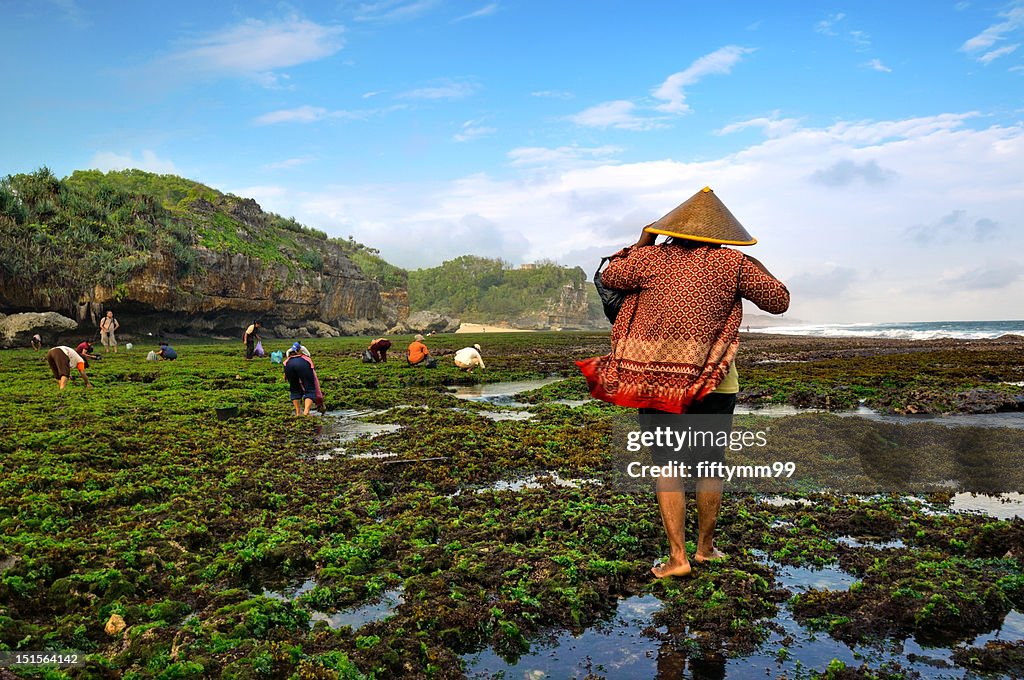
x=484, y=328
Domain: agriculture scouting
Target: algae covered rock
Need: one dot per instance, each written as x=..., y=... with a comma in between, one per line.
x=17, y=330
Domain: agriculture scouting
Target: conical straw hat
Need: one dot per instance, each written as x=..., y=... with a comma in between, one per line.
x=703, y=217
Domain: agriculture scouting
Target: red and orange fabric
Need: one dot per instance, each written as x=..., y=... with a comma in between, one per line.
x=674, y=339
x=417, y=352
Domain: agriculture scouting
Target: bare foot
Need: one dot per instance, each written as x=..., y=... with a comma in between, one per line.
x=715, y=555
x=672, y=568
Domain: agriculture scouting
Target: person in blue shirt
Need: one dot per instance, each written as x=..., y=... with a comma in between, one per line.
x=166, y=352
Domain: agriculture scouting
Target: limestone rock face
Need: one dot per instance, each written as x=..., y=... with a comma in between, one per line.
x=427, y=322
x=17, y=330
x=225, y=292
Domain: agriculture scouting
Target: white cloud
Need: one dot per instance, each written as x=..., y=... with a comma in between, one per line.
x=989, y=57
x=255, y=49
x=552, y=94
x=149, y=161
x=574, y=203
x=447, y=89
x=827, y=25
x=771, y=126
x=472, y=129
x=719, y=62
x=620, y=114
x=561, y=157
x=301, y=114
x=313, y=114
x=393, y=10
x=877, y=65
x=288, y=163
x=992, y=275
x=625, y=114
x=485, y=11
x=1014, y=21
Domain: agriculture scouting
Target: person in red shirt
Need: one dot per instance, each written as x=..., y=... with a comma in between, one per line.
x=85, y=349
x=379, y=350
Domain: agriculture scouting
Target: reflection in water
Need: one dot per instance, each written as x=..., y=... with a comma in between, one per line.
x=1012, y=419
x=618, y=647
x=357, y=617
x=500, y=392
x=537, y=481
x=347, y=425
x=999, y=506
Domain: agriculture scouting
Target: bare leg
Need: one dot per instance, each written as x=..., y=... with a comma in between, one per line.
x=309, y=405
x=63, y=382
x=709, y=502
x=295, y=403
x=672, y=504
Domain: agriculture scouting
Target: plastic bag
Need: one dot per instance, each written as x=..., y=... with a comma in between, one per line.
x=611, y=298
x=276, y=357
x=258, y=350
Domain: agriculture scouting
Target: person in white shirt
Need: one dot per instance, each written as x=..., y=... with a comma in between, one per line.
x=469, y=358
x=61, y=359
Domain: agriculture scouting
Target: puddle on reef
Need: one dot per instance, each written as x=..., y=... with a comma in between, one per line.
x=1012, y=419
x=537, y=481
x=998, y=506
x=616, y=648
x=356, y=617
x=629, y=645
x=864, y=542
x=500, y=393
x=291, y=592
x=802, y=579
x=348, y=425
x=497, y=416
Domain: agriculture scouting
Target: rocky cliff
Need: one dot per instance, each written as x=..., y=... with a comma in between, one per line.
x=173, y=256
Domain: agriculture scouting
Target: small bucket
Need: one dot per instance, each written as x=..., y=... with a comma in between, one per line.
x=227, y=412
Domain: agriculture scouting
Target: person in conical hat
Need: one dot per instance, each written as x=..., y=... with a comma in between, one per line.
x=674, y=344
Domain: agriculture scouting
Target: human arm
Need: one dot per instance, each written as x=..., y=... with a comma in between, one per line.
x=81, y=371
x=758, y=285
x=630, y=268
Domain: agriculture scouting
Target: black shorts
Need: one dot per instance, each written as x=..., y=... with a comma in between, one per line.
x=711, y=417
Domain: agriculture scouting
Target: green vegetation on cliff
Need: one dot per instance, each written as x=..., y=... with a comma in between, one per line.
x=61, y=237
x=484, y=289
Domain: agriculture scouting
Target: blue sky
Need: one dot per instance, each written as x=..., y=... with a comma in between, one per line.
x=876, y=149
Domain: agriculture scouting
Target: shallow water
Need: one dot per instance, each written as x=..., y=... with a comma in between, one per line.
x=348, y=425
x=537, y=481
x=1012, y=419
x=1000, y=506
x=615, y=649
x=357, y=617
x=863, y=542
x=500, y=393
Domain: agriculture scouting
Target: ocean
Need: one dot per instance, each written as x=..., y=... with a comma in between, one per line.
x=913, y=330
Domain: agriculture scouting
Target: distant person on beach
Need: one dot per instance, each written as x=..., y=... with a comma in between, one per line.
x=166, y=352
x=61, y=359
x=469, y=358
x=418, y=354
x=85, y=350
x=108, y=327
x=250, y=337
x=378, y=350
x=674, y=344
x=303, y=383
x=37, y=342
